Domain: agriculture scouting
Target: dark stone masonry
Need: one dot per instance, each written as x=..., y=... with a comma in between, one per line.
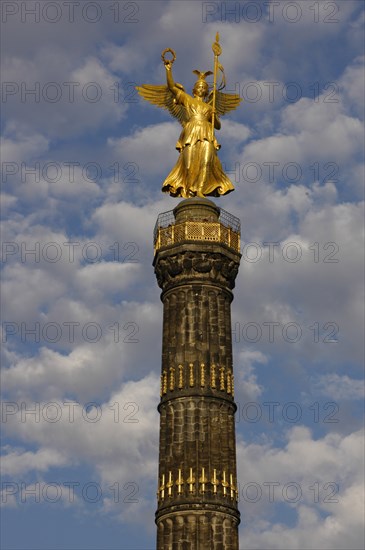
x=196, y=263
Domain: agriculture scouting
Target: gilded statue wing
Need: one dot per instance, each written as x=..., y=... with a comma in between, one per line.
x=164, y=98
x=224, y=102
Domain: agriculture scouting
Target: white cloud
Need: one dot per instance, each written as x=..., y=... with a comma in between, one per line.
x=95, y=281
x=247, y=387
x=310, y=464
x=338, y=387
x=117, y=223
x=19, y=463
x=309, y=132
x=117, y=439
x=152, y=148
x=123, y=58
x=68, y=101
x=7, y=201
x=28, y=291
x=20, y=146
x=234, y=131
x=352, y=84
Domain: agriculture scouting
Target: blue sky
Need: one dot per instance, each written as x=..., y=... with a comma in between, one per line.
x=83, y=160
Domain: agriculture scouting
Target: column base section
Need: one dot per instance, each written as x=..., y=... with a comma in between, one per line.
x=197, y=528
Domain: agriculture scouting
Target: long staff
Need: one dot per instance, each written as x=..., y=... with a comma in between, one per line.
x=217, y=50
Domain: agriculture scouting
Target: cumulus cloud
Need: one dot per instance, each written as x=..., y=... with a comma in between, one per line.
x=73, y=101
x=19, y=146
x=352, y=85
x=309, y=130
x=81, y=352
x=17, y=462
x=338, y=387
x=247, y=387
x=153, y=156
x=319, y=479
x=92, y=434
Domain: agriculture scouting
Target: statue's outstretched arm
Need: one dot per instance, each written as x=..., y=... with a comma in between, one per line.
x=169, y=78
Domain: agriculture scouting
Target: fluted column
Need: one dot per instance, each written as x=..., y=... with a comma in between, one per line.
x=196, y=263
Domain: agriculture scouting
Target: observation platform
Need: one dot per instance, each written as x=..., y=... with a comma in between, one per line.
x=197, y=220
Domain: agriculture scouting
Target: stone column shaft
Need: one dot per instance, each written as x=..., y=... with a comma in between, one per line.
x=197, y=486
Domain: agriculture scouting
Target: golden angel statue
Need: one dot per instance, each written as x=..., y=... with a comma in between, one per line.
x=198, y=171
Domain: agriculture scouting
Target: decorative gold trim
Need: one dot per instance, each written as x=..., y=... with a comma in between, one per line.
x=162, y=487
x=191, y=481
x=221, y=379
x=215, y=481
x=212, y=377
x=203, y=480
x=202, y=375
x=225, y=378
x=197, y=231
x=181, y=379
x=169, y=485
x=229, y=383
x=225, y=483
x=179, y=482
x=191, y=374
x=232, y=486
x=164, y=383
x=172, y=378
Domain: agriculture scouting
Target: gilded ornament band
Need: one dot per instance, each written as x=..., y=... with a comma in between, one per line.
x=218, y=378
x=218, y=485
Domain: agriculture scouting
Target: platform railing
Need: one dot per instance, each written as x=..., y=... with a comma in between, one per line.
x=226, y=230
